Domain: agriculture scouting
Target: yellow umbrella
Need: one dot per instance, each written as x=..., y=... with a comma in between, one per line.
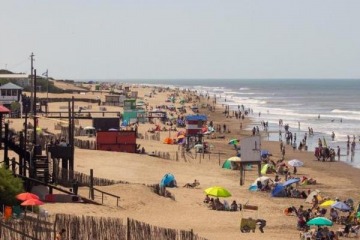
x=327, y=203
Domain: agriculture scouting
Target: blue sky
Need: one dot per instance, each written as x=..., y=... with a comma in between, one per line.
x=153, y=39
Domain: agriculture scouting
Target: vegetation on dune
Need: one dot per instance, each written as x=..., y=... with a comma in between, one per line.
x=10, y=186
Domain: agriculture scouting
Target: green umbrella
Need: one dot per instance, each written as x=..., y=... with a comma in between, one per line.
x=217, y=192
x=358, y=215
x=320, y=221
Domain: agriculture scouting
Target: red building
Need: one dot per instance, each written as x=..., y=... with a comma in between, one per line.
x=116, y=141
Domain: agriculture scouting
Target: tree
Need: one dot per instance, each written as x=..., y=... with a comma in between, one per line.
x=15, y=106
x=10, y=186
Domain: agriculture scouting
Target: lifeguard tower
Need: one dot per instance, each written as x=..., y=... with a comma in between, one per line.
x=250, y=155
x=194, y=125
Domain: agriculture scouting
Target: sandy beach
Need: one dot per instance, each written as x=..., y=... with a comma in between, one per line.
x=187, y=211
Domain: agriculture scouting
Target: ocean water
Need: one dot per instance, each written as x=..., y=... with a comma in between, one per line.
x=326, y=105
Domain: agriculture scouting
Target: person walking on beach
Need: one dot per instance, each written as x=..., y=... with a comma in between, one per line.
x=338, y=153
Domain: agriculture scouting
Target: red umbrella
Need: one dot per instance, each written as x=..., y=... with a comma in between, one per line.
x=26, y=196
x=32, y=202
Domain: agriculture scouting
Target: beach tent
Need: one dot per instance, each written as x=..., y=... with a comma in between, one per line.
x=278, y=191
x=311, y=196
x=229, y=163
x=262, y=179
x=168, y=180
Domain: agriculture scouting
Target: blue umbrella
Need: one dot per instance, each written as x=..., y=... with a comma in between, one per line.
x=341, y=206
x=291, y=181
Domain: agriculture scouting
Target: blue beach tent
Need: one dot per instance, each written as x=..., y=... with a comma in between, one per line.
x=168, y=180
x=278, y=191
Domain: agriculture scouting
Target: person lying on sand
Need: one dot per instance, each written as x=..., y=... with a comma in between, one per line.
x=192, y=185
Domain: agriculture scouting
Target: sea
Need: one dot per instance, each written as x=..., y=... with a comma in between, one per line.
x=325, y=105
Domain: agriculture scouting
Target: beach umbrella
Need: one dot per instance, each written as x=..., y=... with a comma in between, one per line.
x=341, y=206
x=291, y=181
x=295, y=163
x=320, y=221
x=234, y=141
x=32, y=202
x=358, y=215
x=327, y=203
x=234, y=159
x=217, y=191
x=26, y=196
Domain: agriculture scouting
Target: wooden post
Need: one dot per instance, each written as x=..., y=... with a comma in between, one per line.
x=191, y=234
x=92, y=184
x=219, y=158
x=21, y=156
x=6, y=147
x=177, y=156
x=1, y=118
x=128, y=234
x=241, y=174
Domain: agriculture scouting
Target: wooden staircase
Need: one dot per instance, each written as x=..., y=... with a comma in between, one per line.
x=42, y=168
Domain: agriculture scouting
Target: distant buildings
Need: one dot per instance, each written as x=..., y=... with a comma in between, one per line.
x=9, y=93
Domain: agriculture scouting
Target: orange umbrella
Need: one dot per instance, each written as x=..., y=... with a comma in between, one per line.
x=26, y=196
x=32, y=202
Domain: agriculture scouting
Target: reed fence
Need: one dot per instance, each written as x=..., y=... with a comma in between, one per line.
x=82, y=179
x=89, y=228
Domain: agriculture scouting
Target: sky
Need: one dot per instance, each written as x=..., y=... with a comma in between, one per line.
x=183, y=39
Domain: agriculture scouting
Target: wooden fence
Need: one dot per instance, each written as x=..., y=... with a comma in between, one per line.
x=28, y=228
x=89, y=228
x=82, y=179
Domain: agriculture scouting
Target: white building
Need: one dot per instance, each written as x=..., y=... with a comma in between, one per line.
x=9, y=93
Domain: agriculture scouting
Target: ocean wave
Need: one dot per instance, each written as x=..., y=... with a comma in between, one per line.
x=244, y=89
x=345, y=111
